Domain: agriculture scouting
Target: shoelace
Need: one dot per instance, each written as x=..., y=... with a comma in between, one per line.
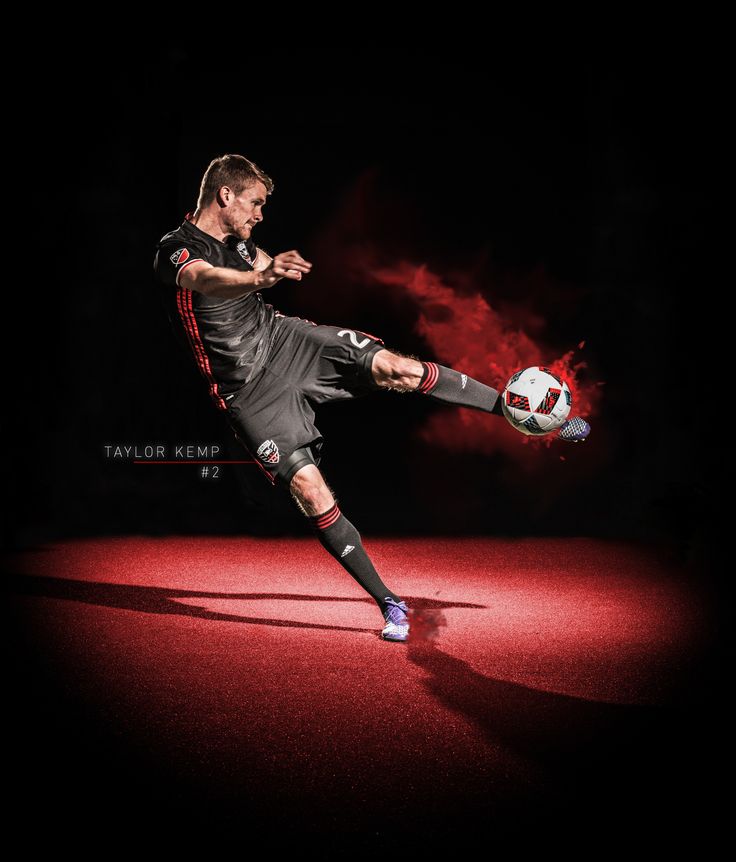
x=396, y=612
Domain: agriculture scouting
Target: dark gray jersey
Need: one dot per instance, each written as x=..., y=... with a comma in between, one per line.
x=228, y=338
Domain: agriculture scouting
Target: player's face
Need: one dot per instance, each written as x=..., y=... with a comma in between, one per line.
x=245, y=210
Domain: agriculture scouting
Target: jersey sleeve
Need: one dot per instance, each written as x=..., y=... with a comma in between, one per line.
x=173, y=257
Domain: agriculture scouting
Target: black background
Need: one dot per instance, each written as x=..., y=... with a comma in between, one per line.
x=595, y=169
x=574, y=185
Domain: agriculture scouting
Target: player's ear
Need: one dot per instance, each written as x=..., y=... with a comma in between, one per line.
x=224, y=195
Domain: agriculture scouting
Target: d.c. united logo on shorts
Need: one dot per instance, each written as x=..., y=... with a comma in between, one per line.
x=268, y=451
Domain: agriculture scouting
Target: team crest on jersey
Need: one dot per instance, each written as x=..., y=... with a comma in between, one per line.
x=179, y=256
x=268, y=451
x=242, y=248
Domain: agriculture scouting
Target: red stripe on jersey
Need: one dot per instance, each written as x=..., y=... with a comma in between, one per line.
x=185, y=322
x=184, y=314
x=186, y=311
x=214, y=390
x=374, y=337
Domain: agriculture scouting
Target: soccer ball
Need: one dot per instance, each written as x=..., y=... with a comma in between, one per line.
x=536, y=401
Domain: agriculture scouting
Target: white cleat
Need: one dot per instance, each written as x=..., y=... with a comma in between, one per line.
x=397, y=621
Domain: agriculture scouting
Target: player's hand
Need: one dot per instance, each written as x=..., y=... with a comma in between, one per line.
x=288, y=264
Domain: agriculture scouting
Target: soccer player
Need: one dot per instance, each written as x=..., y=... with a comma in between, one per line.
x=266, y=371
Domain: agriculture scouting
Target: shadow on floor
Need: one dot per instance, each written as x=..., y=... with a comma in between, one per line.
x=160, y=600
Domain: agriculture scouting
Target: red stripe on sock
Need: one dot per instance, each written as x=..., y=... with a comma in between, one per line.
x=430, y=380
x=326, y=519
x=328, y=522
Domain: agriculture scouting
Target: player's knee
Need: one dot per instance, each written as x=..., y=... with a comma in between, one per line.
x=395, y=371
x=310, y=490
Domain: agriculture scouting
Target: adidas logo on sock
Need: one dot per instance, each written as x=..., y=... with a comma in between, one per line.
x=464, y=379
x=348, y=549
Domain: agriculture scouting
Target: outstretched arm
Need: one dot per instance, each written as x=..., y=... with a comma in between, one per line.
x=225, y=283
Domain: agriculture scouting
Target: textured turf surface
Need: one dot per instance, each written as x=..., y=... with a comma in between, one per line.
x=243, y=681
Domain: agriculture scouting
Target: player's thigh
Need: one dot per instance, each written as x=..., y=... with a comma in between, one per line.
x=275, y=423
x=343, y=366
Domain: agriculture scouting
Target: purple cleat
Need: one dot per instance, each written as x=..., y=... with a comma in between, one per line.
x=397, y=621
x=575, y=430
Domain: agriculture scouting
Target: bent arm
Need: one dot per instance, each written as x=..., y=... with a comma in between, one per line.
x=225, y=283
x=220, y=281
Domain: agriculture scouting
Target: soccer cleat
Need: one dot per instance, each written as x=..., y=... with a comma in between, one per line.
x=397, y=621
x=575, y=430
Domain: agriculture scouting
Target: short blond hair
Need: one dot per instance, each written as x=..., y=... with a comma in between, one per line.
x=234, y=171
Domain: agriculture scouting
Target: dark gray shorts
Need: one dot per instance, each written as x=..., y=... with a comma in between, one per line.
x=273, y=414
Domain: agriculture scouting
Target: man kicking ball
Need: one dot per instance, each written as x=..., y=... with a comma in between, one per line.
x=266, y=371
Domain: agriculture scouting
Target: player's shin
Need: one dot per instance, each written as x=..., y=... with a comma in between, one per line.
x=454, y=387
x=342, y=540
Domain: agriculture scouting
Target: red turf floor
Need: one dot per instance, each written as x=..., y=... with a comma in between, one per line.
x=243, y=680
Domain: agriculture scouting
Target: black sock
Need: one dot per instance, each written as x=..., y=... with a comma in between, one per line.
x=342, y=540
x=453, y=387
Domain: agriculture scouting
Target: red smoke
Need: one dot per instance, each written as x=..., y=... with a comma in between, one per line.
x=466, y=334
x=459, y=326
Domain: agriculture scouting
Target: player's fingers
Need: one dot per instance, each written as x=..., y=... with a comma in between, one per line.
x=291, y=265
x=287, y=270
x=292, y=252
x=293, y=257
